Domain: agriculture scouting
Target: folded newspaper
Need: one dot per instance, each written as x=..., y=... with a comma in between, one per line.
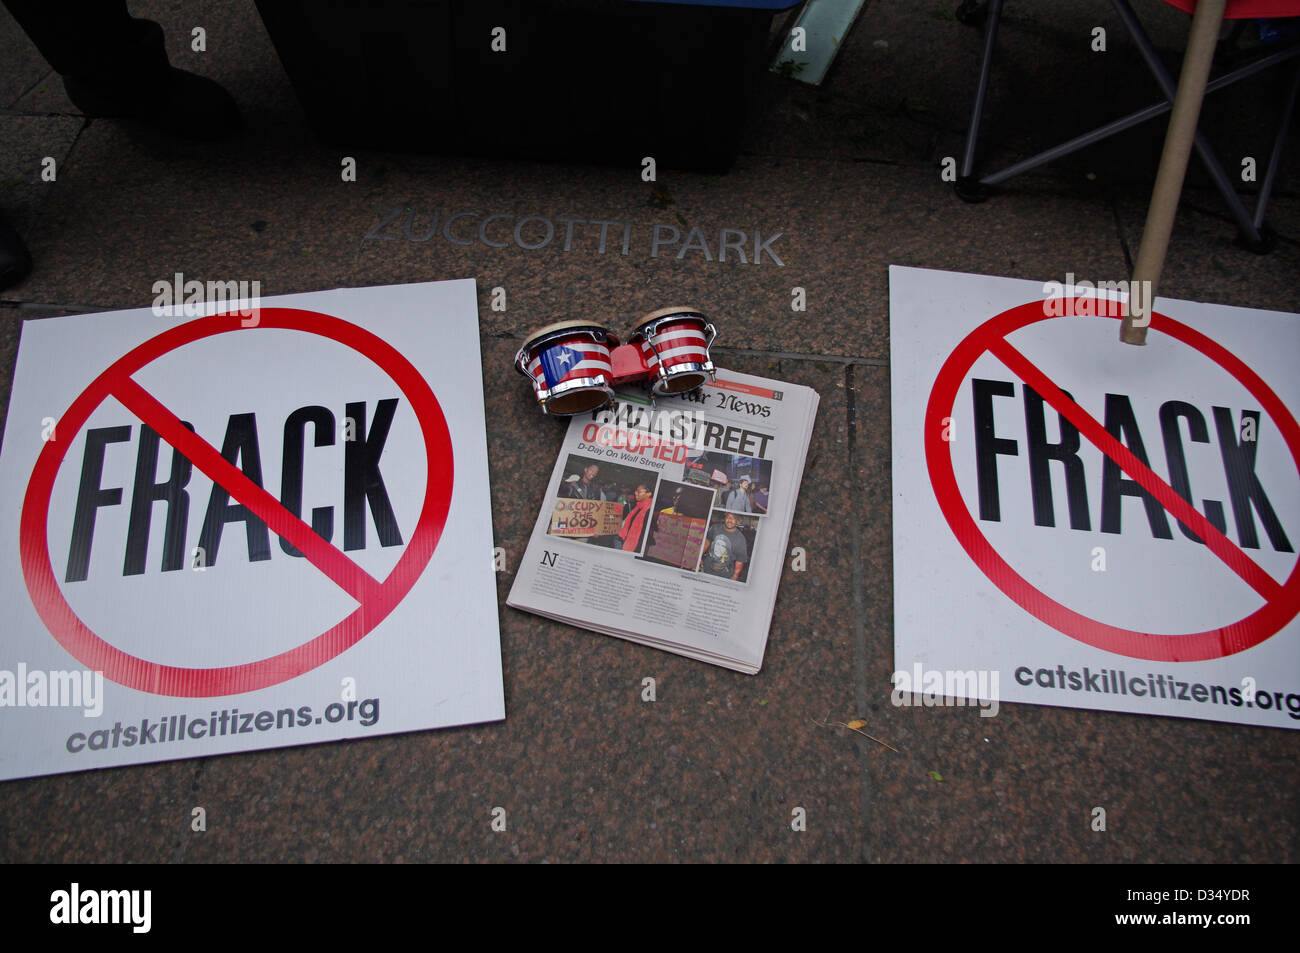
x=668, y=524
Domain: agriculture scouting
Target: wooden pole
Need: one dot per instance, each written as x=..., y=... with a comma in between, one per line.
x=1183, y=119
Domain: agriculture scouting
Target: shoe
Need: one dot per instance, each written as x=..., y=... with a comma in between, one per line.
x=173, y=101
x=15, y=260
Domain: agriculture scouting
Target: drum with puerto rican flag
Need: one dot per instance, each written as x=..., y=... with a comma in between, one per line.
x=569, y=366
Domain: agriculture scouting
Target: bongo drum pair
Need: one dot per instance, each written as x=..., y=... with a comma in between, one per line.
x=575, y=365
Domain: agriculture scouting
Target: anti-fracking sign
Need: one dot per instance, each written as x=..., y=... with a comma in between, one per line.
x=1089, y=524
x=229, y=532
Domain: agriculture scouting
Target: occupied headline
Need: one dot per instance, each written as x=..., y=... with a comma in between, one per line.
x=668, y=436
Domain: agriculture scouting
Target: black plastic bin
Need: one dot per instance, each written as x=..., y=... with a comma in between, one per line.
x=594, y=80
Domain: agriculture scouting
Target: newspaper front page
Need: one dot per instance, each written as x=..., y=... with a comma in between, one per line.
x=668, y=524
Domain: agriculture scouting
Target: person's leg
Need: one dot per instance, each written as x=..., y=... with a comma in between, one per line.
x=116, y=65
x=89, y=37
x=113, y=64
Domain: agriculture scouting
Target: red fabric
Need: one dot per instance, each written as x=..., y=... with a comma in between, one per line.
x=1247, y=9
x=630, y=534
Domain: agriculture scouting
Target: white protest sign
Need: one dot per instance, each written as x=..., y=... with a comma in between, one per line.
x=1089, y=524
x=234, y=532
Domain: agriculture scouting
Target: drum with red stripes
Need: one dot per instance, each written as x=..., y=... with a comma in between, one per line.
x=569, y=366
x=675, y=345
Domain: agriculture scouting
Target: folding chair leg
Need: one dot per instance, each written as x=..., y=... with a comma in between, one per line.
x=1132, y=119
x=1274, y=160
x=968, y=186
x=1249, y=233
x=1252, y=233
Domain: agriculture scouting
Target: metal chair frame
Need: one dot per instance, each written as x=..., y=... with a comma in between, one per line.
x=1252, y=232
